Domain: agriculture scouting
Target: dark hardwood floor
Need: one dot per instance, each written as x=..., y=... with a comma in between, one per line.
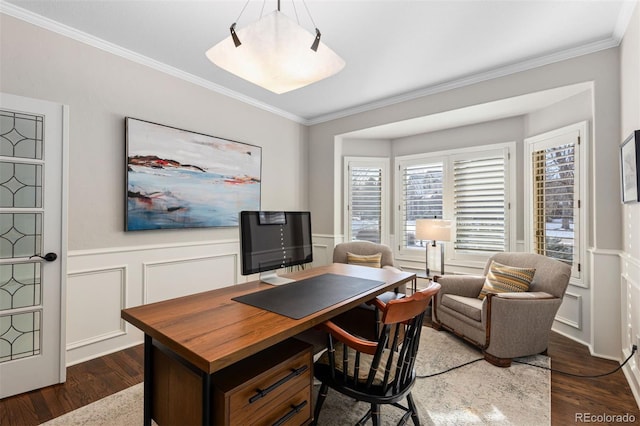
x=100, y=377
x=572, y=396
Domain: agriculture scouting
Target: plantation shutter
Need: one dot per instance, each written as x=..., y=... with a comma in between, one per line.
x=366, y=203
x=554, y=202
x=422, y=186
x=479, y=204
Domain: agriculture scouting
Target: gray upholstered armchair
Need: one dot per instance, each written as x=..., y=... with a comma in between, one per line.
x=362, y=319
x=364, y=248
x=509, y=324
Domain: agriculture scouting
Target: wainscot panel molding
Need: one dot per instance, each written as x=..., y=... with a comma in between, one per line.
x=630, y=291
x=323, y=245
x=94, y=252
x=166, y=279
x=570, y=312
x=97, y=291
x=322, y=254
x=98, y=295
x=605, y=293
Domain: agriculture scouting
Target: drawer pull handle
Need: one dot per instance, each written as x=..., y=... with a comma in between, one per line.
x=295, y=409
x=263, y=392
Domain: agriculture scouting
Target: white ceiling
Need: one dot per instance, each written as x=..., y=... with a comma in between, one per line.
x=394, y=50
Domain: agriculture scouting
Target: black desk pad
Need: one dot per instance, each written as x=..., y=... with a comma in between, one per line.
x=301, y=298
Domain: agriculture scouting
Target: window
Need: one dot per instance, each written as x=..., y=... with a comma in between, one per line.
x=479, y=203
x=554, y=191
x=365, y=199
x=421, y=198
x=468, y=186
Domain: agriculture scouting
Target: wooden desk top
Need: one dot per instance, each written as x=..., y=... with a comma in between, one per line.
x=212, y=331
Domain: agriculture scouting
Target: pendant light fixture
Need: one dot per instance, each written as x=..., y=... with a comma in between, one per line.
x=276, y=53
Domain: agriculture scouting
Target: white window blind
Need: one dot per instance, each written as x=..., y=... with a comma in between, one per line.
x=554, y=201
x=422, y=189
x=365, y=179
x=479, y=204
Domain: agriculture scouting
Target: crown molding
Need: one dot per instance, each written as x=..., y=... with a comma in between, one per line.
x=56, y=27
x=473, y=79
x=624, y=18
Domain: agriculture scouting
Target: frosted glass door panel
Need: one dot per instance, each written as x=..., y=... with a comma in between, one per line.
x=20, y=234
x=20, y=285
x=20, y=335
x=20, y=185
x=21, y=135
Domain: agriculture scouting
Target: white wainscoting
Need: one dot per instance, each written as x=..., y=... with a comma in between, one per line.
x=570, y=311
x=100, y=283
x=630, y=290
x=95, y=290
x=323, y=248
x=604, y=273
x=166, y=279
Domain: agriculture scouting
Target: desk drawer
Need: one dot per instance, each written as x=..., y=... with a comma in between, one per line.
x=269, y=386
x=294, y=411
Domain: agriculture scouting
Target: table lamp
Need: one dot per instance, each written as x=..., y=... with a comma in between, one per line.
x=433, y=230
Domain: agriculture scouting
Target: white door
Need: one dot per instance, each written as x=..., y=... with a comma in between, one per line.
x=31, y=224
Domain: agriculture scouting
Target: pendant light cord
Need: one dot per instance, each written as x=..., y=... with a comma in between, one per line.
x=264, y=3
x=293, y=3
x=316, y=41
x=309, y=13
x=295, y=10
x=242, y=11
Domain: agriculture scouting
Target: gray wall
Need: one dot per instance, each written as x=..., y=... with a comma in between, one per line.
x=108, y=269
x=101, y=89
x=602, y=70
x=600, y=67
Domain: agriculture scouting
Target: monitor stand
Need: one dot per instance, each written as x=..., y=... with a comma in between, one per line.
x=271, y=277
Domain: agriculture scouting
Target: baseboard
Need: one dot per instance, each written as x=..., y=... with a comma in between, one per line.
x=103, y=353
x=634, y=382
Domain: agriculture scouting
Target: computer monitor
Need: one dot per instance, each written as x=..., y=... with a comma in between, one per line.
x=271, y=240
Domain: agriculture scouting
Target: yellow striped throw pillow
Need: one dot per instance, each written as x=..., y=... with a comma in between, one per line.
x=506, y=279
x=372, y=260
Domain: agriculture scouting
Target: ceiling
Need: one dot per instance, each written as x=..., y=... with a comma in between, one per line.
x=394, y=50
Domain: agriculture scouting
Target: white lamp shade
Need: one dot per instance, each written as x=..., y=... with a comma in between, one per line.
x=433, y=229
x=276, y=54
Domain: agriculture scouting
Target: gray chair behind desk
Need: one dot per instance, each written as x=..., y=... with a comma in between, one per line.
x=362, y=320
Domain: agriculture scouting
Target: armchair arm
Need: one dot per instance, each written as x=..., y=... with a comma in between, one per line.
x=392, y=268
x=361, y=345
x=376, y=303
x=525, y=295
x=518, y=324
x=403, y=287
x=462, y=285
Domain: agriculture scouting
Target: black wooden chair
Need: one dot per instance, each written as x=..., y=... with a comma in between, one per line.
x=378, y=372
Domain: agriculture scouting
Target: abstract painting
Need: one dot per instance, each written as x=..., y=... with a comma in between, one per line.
x=181, y=179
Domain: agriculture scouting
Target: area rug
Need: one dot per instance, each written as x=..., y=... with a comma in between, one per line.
x=476, y=394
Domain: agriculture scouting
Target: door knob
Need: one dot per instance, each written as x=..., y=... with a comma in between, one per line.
x=49, y=257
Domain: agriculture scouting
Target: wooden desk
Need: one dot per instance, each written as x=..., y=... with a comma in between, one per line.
x=208, y=331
